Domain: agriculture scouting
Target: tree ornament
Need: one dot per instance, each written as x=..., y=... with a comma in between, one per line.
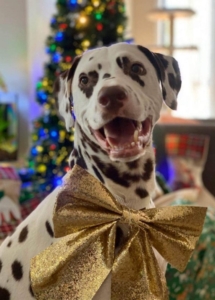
x=99, y=26
x=41, y=168
x=96, y=3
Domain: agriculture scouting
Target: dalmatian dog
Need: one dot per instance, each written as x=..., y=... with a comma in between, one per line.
x=117, y=94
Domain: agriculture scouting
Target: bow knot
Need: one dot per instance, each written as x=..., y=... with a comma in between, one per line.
x=130, y=216
x=85, y=217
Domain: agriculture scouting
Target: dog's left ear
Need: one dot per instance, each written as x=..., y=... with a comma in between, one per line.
x=63, y=92
x=168, y=74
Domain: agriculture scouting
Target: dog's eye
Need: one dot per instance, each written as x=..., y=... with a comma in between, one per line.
x=84, y=80
x=137, y=69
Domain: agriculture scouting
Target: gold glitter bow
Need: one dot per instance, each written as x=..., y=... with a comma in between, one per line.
x=85, y=218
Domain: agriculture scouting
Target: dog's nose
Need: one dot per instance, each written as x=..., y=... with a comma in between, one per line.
x=112, y=97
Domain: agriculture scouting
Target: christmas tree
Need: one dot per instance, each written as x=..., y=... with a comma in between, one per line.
x=77, y=26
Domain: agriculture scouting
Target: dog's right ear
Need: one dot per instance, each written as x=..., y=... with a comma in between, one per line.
x=63, y=93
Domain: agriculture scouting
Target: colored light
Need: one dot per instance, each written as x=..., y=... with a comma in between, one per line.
x=56, y=58
x=66, y=169
x=78, y=52
x=52, y=47
x=45, y=82
x=34, y=151
x=120, y=29
x=39, y=149
x=89, y=9
x=63, y=26
x=41, y=168
x=42, y=96
x=99, y=26
x=83, y=20
x=96, y=3
x=46, y=119
x=53, y=133
x=58, y=181
x=85, y=43
x=98, y=16
x=73, y=2
x=68, y=59
x=39, y=84
x=41, y=132
x=53, y=21
x=59, y=36
x=53, y=147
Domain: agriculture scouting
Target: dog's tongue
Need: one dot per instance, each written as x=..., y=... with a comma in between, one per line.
x=119, y=132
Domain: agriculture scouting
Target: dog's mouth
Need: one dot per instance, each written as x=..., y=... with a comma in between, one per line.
x=124, y=138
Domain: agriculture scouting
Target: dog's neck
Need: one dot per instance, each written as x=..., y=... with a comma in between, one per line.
x=132, y=183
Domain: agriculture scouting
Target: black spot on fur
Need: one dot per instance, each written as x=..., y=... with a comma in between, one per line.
x=125, y=65
x=110, y=172
x=173, y=105
x=132, y=164
x=174, y=81
x=94, y=75
x=106, y=75
x=80, y=161
x=0, y=266
x=98, y=175
x=75, y=152
x=87, y=155
x=64, y=74
x=23, y=234
x=56, y=86
x=164, y=92
x=67, y=107
x=31, y=291
x=119, y=63
x=86, y=140
x=4, y=294
x=175, y=66
x=17, y=270
x=91, y=58
x=148, y=169
x=87, y=89
x=72, y=163
x=125, y=179
x=9, y=244
x=83, y=143
x=49, y=229
x=73, y=68
x=164, y=62
x=99, y=66
x=155, y=61
x=142, y=193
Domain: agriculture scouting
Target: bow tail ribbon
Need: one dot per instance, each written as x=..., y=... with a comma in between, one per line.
x=75, y=267
x=143, y=278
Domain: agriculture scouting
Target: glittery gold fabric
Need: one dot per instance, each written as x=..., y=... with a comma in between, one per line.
x=85, y=218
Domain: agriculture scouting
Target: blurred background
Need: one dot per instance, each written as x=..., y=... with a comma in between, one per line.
x=39, y=39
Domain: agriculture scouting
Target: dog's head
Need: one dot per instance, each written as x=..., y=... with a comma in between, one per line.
x=117, y=94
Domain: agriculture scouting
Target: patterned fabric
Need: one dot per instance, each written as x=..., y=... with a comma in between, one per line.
x=26, y=208
x=197, y=282
x=187, y=145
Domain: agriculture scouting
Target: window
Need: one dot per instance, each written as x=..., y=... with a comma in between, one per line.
x=195, y=97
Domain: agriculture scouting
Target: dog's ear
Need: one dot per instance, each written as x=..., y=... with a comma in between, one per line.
x=168, y=74
x=63, y=93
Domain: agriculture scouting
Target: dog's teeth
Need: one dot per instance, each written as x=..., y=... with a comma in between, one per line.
x=139, y=128
x=136, y=135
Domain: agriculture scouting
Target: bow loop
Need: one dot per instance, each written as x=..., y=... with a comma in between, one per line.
x=86, y=217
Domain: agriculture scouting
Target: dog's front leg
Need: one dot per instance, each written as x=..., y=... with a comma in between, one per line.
x=104, y=293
